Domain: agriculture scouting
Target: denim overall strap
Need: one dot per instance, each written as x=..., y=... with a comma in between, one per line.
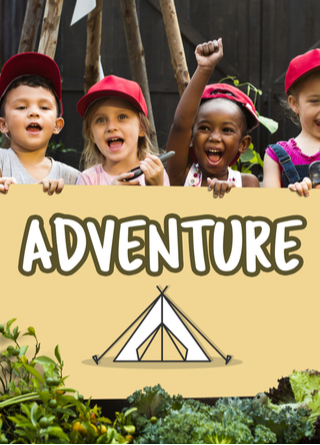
x=290, y=174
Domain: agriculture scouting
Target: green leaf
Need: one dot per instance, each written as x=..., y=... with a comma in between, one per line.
x=130, y=429
x=57, y=354
x=23, y=350
x=15, y=333
x=34, y=372
x=25, y=409
x=10, y=323
x=66, y=411
x=12, y=386
x=34, y=410
x=43, y=360
x=31, y=331
x=130, y=411
x=270, y=124
x=247, y=156
x=57, y=432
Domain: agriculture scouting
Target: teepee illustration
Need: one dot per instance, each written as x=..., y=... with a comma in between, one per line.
x=163, y=334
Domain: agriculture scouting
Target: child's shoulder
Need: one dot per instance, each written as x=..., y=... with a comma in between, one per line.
x=94, y=175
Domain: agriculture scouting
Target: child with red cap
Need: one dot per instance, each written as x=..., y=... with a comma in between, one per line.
x=210, y=130
x=286, y=163
x=30, y=112
x=116, y=133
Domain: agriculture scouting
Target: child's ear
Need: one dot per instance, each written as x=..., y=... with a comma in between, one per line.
x=244, y=144
x=58, y=125
x=3, y=126
x=293, y=103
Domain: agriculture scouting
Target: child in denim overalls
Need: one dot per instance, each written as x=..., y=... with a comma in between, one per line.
x=286, y=163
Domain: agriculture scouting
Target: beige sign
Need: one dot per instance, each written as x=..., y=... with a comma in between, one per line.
x=152, y=285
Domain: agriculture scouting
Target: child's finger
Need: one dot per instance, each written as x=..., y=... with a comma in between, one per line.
x=60, y=185
x=230, y=186
x=308, y=182
x=213, y=46
x=4, y=188
x=211, y=183
x=125, y=176
x=46, y=185
x=223, y=188
x=154, y=159
x=52, y=187
x=300, y=188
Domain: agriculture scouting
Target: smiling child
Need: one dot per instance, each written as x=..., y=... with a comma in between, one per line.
x=30, y=113
x=210, y=130
x=116, y=133
x=286, y=163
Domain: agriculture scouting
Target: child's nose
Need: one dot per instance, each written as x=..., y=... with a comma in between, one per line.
x=112, y=125
x=215, y=136
x=33, y=112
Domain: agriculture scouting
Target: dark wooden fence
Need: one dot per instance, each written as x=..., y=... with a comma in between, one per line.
x=260, y=38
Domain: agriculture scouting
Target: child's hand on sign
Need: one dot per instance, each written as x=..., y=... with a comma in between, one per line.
x=209, y=54
x=219, y=187
x=52, y=185
x=4, y=184
x=302, y=188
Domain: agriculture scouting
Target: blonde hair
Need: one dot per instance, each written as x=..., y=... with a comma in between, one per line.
x=294, y=91
x=91, y=154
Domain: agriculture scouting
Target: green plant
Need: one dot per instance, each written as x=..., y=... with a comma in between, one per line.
x=37, y=407
x=231, y=420
x=55, y=149
x=250, y=158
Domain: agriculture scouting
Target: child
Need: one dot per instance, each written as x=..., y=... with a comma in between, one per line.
x=210, y=128
x=286, y=163
x=31, y=111
x=116, y=133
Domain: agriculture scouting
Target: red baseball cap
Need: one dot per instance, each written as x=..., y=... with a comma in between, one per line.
x=226, y=91
x=113, y=86
x=301, y=65
x=31, y=63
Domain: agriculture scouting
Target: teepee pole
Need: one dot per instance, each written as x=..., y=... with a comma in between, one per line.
x=178, y=58
x=94, y=26
x=50, y=27
x=30, y=26
x=136, y=57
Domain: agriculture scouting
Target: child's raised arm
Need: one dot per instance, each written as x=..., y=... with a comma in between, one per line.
x=208, y=56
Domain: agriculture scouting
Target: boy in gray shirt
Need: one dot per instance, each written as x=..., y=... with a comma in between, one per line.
x=30, y=112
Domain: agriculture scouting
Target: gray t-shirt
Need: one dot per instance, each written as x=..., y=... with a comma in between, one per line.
x=10, y=166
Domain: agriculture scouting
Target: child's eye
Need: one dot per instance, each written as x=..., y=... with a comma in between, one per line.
x=204, y=128
x=44, y=107
x=100, y=120
x=122, y=117
x=21, y=107
x=228, y=130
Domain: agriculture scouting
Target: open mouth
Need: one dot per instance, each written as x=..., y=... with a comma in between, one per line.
x=115, y=143
x=34, y=128
x=214, y=156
